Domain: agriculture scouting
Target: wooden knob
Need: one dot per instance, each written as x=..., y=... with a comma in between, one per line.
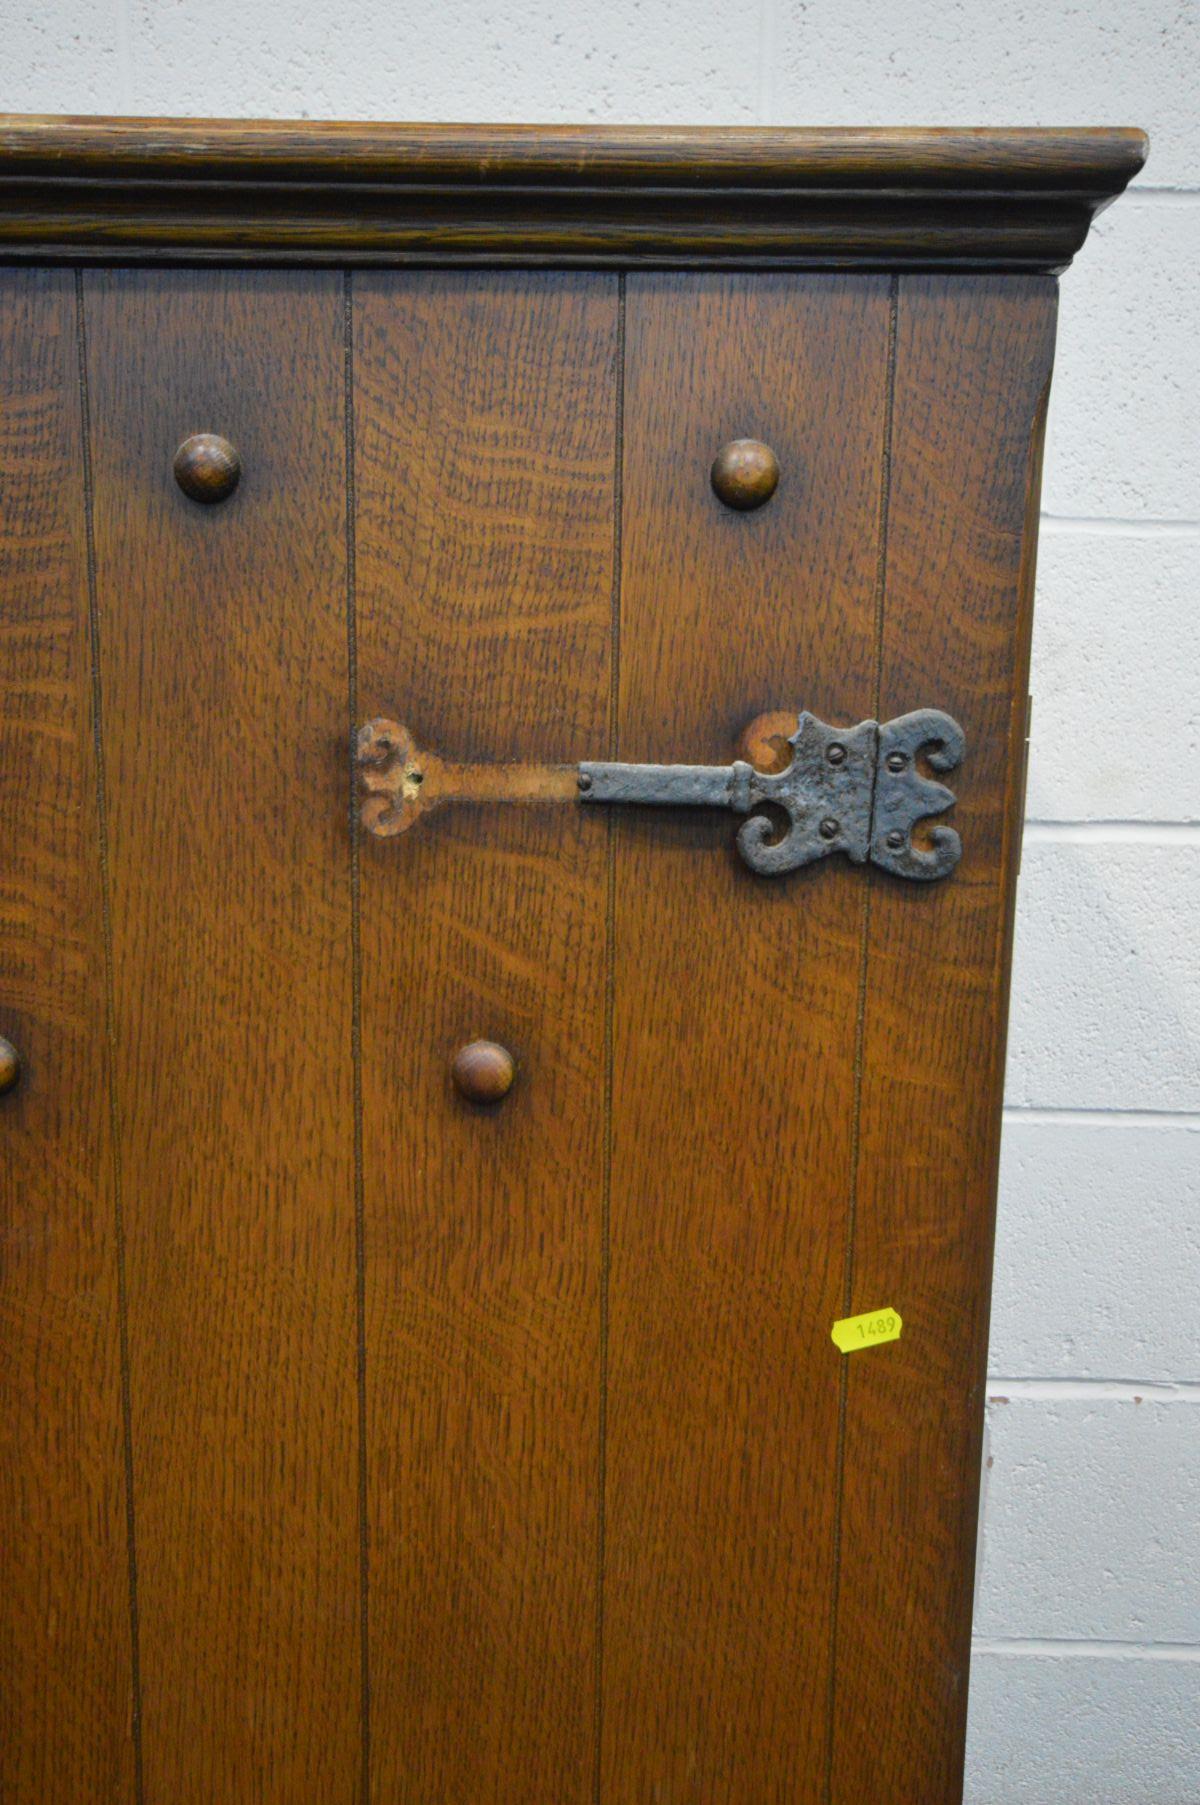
x=483, y=1071
x=10, y=1065
x=207, y=467
x=745, y=473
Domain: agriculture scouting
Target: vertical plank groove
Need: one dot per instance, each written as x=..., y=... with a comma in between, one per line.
x=224, y=662
x=885, y=488
x=614, y=675
x=360, y=1255
x=733, y=1039
x=485, y=412
x=66, y=1690
x=860, y=1020
x=110, y=1033
x=610, y=984
x=973, y=359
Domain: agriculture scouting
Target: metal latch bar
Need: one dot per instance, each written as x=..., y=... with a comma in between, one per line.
x=667, y=786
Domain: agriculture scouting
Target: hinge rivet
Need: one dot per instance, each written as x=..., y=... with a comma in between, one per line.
x=896, y=761
x=829, y=828
x=895, y=839
x=836, y=754
x=584, y=781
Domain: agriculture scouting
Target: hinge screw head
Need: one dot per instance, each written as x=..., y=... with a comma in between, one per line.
x=836, y=754
x=828, y=829
x=896, y=761
x=895, y=839
x=584, y=781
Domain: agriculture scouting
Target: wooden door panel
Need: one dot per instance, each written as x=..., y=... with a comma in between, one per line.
x=485, y=455
x=973, y=360
x=736, y=1026
x=225, y=714
x=66, y=1692
x=496, y=1454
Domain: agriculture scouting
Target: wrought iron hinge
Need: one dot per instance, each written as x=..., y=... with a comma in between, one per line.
x=855, y=790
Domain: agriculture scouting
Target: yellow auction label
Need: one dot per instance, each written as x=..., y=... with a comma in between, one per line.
x=871, y=1329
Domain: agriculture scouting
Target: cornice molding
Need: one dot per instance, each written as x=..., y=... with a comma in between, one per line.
x=237, y=191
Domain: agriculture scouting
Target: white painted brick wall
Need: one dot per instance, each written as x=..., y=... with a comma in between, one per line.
x=1086, y=1684
x=1114, y=640
x=1106, y=978
x=1098, y=1250
x=1122, y=439
x=1124, y=1575
x=1070, y=1724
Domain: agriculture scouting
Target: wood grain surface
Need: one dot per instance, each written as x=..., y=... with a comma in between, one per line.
x=972, y=367
x=278, y=190
x=66, y=1686
x=225, y=694
x=1014, y=158
x=735, y=1012
x=485, y=456
x=366, y=1440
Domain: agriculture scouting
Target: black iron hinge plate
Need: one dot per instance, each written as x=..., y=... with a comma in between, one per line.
x=854, y=790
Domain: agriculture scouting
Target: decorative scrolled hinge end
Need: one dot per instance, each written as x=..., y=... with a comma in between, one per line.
x=854, y=790
x=904, y=797
x=390, y=772
x=857, y=791
x=824, y=794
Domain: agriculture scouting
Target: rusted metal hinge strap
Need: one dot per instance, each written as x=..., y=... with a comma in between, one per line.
x=855, y=790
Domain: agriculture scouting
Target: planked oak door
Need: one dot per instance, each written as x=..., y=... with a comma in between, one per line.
x=362, y=1443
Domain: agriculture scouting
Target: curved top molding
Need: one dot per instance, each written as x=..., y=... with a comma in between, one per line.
x=240, y=191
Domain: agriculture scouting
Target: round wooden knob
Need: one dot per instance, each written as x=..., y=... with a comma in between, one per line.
x=207, y=467
x=745, y=473
x=10, y=1065
x=483, y=1071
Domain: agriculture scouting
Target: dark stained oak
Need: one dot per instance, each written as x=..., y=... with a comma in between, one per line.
x=973, y=366
x=254, y=191
x=225, y=687
x=1022, y=159
x=485, y=459
x=66, y=1685
x=735, y=1010
x=424, y=1202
